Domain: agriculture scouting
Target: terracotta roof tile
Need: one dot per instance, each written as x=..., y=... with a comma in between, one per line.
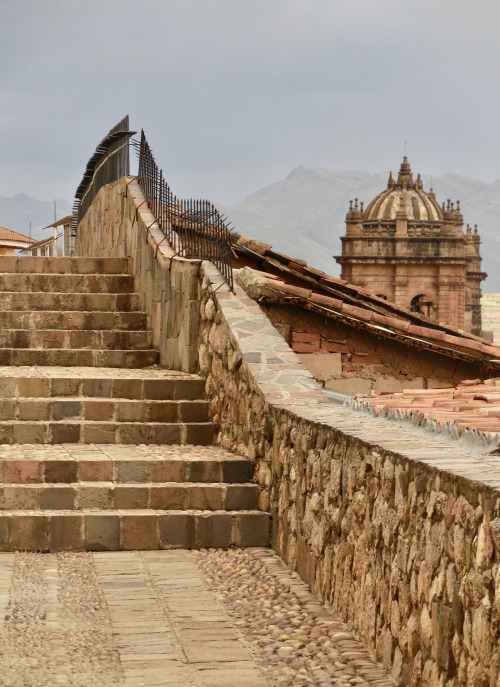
x=315, y=290
x=360, y=313
x=291, y=290
x=473, y=406
x=9, y=235
x=328, y=301
x=490, y=350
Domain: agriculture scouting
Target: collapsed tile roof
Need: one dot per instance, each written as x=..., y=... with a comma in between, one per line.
x=471, y=409
x=270, y=276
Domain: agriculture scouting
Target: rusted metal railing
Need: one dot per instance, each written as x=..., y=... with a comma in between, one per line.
x=109, y=163
x=194, y=228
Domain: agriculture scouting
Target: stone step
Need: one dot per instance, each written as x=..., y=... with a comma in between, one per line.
x=50, y=265
x=103, y=409
x=109, y=496
x=109, y=383
x=72, y=338
x=111, y=530
x=84, y=302
x=66, y=283
x=30, y=464
x=72, y=357
x=72, y=319
x=90, y=432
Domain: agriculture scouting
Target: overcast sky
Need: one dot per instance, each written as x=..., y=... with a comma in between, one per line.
x=233, y=94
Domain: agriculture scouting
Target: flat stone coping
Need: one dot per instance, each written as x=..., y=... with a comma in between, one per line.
x=170, y=618
x=463, y=457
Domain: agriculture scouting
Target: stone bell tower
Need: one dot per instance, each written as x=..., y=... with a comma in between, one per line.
x=406, y=248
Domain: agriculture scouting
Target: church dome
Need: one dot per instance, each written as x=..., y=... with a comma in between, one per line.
x=406, y=197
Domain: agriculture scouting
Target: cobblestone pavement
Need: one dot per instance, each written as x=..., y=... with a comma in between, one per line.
x=186, y=618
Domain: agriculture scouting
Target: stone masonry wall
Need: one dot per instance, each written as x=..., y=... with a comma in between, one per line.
x=398, y=531
x=119, y=224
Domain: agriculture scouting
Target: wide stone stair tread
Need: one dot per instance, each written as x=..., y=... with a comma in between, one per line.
x=69, y=463
x=32, y=283
x=148, y=383
x=97, y=302
x=86, y=380
x=131, y=529
x=61, y=265
x=129, y=495
x=69, y=338
x=90, y=432
x=73, y=319
x=79, y=357
x=103, y=409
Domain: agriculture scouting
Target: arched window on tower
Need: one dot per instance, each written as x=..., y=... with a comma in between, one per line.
x=422, y=305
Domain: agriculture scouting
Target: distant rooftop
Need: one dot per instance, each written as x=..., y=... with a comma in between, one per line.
x=13, y=239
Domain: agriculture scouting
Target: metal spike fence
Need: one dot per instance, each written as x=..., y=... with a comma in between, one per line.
x=109, y=163
x=194, y=228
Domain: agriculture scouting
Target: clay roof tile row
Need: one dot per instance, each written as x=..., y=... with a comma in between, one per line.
x=9, y=235
x=472, y=406
x=311, y=287
x=368, y=315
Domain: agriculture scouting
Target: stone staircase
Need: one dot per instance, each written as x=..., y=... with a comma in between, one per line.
x=99, y=448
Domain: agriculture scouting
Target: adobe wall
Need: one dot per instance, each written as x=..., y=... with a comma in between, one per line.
x=351, y=360
x=119, y=224
x=368, y=512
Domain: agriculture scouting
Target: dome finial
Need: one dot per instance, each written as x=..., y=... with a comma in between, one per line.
x=405, y=176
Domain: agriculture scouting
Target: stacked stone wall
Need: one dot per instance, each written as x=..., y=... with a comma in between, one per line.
x=398, y=531
x=369, y=514
x=119, y=224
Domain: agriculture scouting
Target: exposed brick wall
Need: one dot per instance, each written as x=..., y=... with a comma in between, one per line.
x=369, y=363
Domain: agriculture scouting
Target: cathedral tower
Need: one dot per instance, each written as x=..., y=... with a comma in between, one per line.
x=408, y=249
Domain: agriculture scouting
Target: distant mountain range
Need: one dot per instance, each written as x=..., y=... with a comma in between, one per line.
x=303, y=215
x=17, y=212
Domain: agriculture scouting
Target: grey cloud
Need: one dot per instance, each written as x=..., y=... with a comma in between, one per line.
x=233, y=93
